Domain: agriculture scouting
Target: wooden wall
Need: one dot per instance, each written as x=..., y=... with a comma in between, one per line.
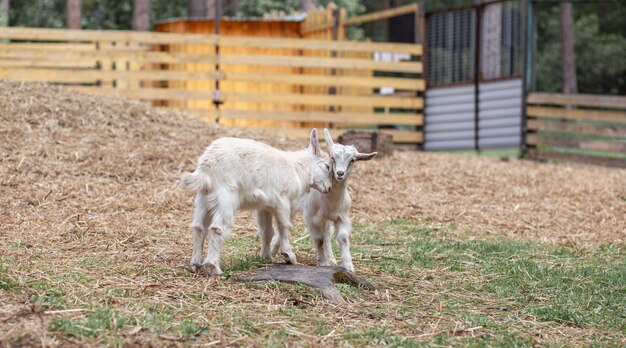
x=244, y=28
x=579, y=127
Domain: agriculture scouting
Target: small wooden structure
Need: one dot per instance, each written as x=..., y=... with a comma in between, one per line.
x=368, y=141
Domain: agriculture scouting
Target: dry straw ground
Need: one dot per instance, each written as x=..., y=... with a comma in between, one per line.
x=90, y=203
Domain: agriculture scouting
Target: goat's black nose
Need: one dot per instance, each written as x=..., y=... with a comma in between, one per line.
x=340, y=173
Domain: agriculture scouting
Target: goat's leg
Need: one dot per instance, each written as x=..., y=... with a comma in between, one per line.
x=200, y=222
x=328, y=247
x=344, y=228
x=265, y=232
x=318, y=239
x=284, y=223
x=220, y=229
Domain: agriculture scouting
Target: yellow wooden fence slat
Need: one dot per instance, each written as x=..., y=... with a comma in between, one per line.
x=319, y=116
x=324, y=45
x=368, y=17
x=58, y=75
x=47, y=46
x=148, y=93
x=139, y=55
x=326, y=80
x=578, y=99
x=399, y=136
x=73, y=35
x=384, y=14
x=54, y=63
x=320, y=62
x=324, y=99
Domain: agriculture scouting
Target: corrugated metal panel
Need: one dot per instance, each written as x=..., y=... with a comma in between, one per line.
x=449, y=118
x=500, y=113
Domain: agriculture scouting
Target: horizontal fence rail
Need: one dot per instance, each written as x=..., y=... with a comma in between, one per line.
x=579, y=127
x=284, y=85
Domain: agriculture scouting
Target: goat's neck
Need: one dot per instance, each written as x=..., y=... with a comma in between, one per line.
x=340, y=188
x=301, y=167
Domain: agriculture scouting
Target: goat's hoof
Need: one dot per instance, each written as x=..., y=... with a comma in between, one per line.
x=289, y=258
x=195, y=268
x=212, y=270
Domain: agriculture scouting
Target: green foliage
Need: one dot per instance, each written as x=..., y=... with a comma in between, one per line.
x=600, y=47
x=256, y=8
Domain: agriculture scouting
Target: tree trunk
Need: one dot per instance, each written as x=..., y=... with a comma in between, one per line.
x=141, y=15
x=491, y=33
x=235, y=6
x=568, y=56
x=210, y=8
x=73, y=14
x=197, y=8
x=4, y=13
x=306, y=5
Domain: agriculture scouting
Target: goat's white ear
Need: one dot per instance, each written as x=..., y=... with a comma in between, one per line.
x=328, y=138
x=365, y=156
x=314, y=144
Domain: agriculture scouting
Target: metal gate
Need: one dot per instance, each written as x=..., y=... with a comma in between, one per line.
x=473, y=63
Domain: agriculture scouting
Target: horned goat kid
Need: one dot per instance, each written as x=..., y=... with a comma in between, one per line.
x=237, y=174
x=321, y=212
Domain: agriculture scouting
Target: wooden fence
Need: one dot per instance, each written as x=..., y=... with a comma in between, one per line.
x=583, y=128
x=179, y=70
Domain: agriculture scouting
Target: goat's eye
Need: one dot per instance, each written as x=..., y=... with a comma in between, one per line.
x=327, y=167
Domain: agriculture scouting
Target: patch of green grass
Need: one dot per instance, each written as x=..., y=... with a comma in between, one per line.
x=6, y=282
x=47, y=294
x=100, y=322
x=443, y=290
x=558, y=284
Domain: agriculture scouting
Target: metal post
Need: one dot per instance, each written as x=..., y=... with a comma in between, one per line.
x=217, y=100
x=477, y=10
x=332, y=90
x=527, y=68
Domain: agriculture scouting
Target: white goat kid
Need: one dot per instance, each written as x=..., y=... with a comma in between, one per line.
x=322, y=212
x=237, y=174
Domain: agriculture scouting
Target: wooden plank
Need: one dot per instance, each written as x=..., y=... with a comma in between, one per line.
x=326, y=80
x=148, y=93
x=398, y=136
x=576, y=114
x=323, y=45
x=140, y=55
x=384, y=14
x=569, y=157
x=578, y=99
x=319, y=116
x=48, y=34
x=610, y=131
x=75, y=75
x=321, y=62
x=576, y=143
x=47, y=46
x=369, y=17
x=324, y=99
x=54, y=63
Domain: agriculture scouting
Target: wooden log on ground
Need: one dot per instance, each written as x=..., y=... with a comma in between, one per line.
x=322, y=278
x=368, y=141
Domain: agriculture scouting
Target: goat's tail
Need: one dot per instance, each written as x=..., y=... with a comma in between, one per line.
x=196, y=181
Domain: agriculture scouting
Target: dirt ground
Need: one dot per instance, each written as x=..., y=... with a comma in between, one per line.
x=83, y=175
